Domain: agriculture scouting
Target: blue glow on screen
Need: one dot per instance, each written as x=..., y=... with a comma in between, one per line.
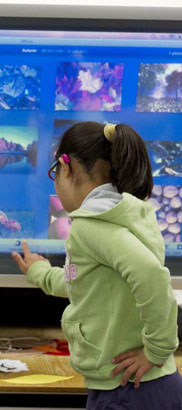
x=50, y=81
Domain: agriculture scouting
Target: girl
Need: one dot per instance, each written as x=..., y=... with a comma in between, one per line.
x=121, y=323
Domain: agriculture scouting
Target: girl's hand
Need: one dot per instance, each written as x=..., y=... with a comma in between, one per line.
x=134, y=362
x=29, y=258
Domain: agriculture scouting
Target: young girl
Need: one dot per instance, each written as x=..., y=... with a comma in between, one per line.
x=121, y=323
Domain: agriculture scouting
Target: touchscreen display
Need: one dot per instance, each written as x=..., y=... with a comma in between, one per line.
x=49, y=80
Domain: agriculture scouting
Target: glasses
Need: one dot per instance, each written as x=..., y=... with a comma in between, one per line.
x=52, y=171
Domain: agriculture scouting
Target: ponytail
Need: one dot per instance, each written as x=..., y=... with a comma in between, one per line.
x=130, y=166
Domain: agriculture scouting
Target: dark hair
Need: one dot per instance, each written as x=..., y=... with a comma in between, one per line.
x=130, y=165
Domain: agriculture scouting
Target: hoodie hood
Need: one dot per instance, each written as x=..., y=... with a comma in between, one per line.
x=107, y=204
x=101, y=199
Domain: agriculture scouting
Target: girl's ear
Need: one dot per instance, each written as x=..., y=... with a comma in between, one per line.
x=65, y=167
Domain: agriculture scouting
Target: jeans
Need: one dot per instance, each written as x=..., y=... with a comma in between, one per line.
x=164, y=393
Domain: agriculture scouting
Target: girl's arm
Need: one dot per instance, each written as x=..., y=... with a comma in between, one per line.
x=39, y=272
x=49, y=279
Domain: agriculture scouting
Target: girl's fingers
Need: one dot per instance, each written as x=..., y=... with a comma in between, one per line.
x=28, y=255
x=20, y=262
x=123, y=356
x=25, y=249
x=29, y=258
x=121, y=366
x=138, y=377
x=140, y=372
x=128, y=373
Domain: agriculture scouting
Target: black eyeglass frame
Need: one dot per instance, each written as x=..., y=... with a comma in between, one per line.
x=55, y=166
x=52, y=169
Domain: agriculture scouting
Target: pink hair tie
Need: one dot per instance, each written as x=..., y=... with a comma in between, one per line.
x=66, y=158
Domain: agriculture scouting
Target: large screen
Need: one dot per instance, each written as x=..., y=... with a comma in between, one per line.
x=49, y=80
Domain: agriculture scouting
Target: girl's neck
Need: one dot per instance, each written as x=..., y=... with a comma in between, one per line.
x=85, y=183
x=85, y=190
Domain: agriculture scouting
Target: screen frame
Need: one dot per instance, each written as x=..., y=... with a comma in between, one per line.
x=100, y=25
x=88, y=24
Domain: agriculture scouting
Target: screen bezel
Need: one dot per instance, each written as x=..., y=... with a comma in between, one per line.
x=90, y=24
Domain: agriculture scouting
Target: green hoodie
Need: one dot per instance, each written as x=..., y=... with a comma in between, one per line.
x=119, y=291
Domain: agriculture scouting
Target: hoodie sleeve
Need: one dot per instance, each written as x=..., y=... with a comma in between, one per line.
x=147, y=278
x=49, y=279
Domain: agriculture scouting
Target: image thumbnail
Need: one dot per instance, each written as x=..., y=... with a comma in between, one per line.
x=18, y=149
x=59, y=223
x=20, y=87
x=89, y=86
x=159, y=88
x=60, y=127
x=16, y=224
x=167, y=201
x=165, y=157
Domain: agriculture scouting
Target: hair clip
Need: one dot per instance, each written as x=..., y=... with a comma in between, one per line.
x=110, y=131
x=65, y=158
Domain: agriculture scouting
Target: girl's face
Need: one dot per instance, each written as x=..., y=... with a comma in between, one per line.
x=64, y=187
x=72, y=183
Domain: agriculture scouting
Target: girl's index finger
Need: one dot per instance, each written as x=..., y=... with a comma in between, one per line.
x=25, y=248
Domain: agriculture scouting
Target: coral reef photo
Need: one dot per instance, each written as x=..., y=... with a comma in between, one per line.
x=16, y=224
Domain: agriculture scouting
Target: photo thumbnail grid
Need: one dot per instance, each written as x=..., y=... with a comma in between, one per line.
x=91, y=86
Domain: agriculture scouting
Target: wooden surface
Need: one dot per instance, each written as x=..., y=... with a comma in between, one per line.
x=48, y=364
x=41, y=364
